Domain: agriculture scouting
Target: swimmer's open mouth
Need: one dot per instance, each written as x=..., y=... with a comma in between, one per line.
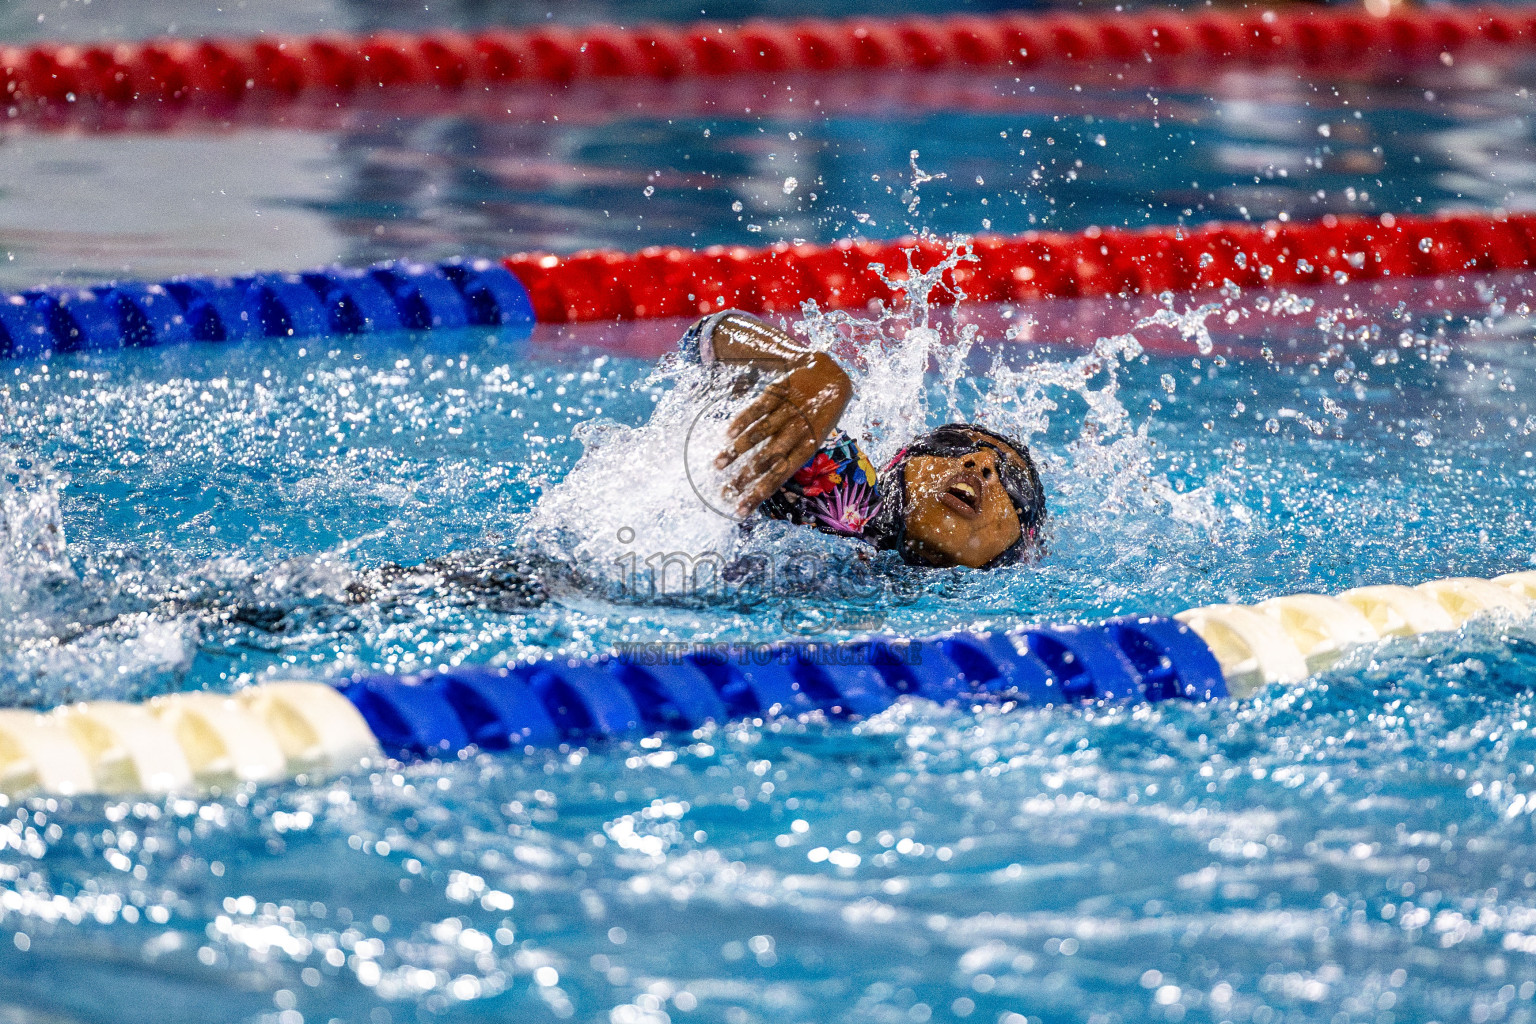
x=962, y=495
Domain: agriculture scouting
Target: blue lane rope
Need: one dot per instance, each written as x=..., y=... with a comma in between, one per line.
x=286, y=728
x=386, y=297
x=442, y=713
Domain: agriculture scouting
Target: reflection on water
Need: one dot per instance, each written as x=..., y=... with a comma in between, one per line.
x=94, y=20
x=738, y=162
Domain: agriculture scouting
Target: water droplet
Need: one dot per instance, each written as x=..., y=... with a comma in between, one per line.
x=650, y=190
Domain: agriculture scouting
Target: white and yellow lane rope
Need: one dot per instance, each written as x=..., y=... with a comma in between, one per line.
x=1286, y=639
x=183, y=741
x=278, y=730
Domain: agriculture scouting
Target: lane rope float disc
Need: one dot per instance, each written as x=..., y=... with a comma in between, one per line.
x=173, y=72
x=669, y=281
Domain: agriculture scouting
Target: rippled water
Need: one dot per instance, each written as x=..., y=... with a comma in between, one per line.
x=1357, y=847
x=276, y=185
x=1357, y=844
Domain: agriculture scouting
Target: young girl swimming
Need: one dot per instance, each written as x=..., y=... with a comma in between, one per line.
x=960, y=495
x=957, y=495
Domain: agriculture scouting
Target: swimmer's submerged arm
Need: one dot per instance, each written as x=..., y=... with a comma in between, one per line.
x=782, y=428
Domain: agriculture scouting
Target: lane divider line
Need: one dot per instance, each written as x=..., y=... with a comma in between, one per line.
x=387, y=297
x=1465, y=597
x=220, y=739
x=668, y=281
x=1311, y=631
x=1252, y=648
x=235, y=71
x=664, y=281
x=1321, y=628
x=286, y=729
x=1522, y=583
x=1398, y=611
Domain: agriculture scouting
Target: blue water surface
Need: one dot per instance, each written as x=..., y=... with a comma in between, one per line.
x=1355, y=847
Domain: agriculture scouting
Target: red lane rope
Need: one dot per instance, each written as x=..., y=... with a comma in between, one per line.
x=177, y=71
x=665, y=281
x=604, y=101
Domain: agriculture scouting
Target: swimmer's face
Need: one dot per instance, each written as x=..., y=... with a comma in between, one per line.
x=957, y=510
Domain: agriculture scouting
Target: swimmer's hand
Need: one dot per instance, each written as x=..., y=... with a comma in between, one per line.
x=782, y=428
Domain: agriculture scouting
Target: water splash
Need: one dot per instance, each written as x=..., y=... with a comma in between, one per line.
x=641, y=498
x=920, y=178
x=888, y=354
x=1109, y=468
x=642, y=514
x=643, y=502
x=32, y=546
x=1111, y=460
x=49, y=651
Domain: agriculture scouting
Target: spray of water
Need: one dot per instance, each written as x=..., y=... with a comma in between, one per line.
x=46, y=655
x=1109, y=467
x=31, y=527
x=888, y=352
x=645, y=499
x=642, y=495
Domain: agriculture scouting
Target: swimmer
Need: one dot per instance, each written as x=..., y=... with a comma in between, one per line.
x=960, y=495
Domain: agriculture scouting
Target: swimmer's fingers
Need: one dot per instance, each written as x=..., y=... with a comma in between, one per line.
x=763, y=405
x=748, y=434
x=767, y=404
x=769, y=458
x=755, y=488
x=766, y=468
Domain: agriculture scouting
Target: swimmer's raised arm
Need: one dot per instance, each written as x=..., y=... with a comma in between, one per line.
x=782, y=428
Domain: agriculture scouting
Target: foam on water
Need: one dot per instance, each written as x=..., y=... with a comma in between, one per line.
x=640, y=494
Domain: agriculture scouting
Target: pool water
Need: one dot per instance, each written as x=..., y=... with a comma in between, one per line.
x=1357, y=847
x=748, y=162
